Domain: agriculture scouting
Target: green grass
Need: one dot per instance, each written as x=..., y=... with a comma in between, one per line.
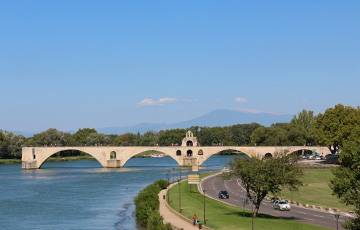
x=316, y=190
x=223, y=216
x=10, y=161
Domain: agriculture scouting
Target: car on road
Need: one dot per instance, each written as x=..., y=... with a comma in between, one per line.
x=281, y=205
x=332, y=158
x=223, y=194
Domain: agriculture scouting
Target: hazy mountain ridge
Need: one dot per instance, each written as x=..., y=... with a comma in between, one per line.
x=215, y=118
x=221, y=117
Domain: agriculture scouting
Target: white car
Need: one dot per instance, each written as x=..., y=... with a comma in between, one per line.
x=281, y=205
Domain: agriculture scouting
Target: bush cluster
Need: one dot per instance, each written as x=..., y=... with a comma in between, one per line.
x=147, y=206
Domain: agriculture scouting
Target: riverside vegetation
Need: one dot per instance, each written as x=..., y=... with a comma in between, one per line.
x=147, y=206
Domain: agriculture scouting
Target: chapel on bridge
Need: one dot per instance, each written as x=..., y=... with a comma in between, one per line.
x=189, y=140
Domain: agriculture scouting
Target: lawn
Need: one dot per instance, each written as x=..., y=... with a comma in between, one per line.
x=223, y=216
x=10, y=161
x=316, y=190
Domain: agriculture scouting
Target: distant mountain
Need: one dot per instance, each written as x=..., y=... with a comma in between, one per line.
x=24, y=133
x=221, y=117
x=142, y=128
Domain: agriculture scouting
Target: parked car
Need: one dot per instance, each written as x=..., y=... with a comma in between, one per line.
x=332, y=158
x=311, y=157
x=223, y=194
x=281, y=205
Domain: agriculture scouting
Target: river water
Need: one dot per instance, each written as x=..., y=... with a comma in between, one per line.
x=82, y=194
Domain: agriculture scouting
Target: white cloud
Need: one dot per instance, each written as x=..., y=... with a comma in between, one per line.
x=162, y=101
x=167, y=100
x=239, y=99
x=148, y=102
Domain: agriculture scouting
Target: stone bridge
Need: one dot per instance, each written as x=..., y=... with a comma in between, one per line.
x=116, y=156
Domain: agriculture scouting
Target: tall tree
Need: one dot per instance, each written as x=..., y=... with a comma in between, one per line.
x=98, y=139
x=259, y=177
x=173, y=136
x=127, y=139
x=15, y=144
x=305, y=121
x=49, y=137
x=336, y=126
x=80, y=138
x=346, y=183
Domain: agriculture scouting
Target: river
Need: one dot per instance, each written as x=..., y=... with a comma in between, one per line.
x=82, y=194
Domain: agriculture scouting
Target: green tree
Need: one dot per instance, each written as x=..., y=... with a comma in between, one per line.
x=173, y=136
x=269, y=136
x=346, y=183
x=149, y=138
x=15, y=144
x=260, y=177
x=205, y=136
x=241, y=133
x=305, y=121
x=4, y=143
x=127, y=139
x=98, y=139
x=336, y=126
x=47, y=138
x=80, y=138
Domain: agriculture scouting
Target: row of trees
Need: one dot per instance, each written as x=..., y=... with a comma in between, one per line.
x=330, y=129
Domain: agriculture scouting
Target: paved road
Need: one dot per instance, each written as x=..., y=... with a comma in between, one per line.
x=213, y=185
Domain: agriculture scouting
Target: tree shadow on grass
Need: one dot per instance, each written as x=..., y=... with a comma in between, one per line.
x=261, y=215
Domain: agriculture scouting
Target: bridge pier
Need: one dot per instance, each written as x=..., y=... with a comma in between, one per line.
x=189, y=161
x=113, y=164
x=29, y=165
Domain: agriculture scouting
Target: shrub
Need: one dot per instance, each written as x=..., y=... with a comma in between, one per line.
x=147, y=206
x=162, y=183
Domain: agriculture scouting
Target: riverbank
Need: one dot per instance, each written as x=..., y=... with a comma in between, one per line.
x=9, y=161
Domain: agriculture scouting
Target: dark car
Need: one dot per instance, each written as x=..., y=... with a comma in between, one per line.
x=332, y=158
x=223, y=194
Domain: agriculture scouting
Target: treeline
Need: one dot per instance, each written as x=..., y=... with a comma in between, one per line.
x=328, y=129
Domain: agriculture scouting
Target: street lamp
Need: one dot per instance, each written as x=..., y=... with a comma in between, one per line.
x=168, y=179
x=173, y=174
x=207, y=166
x=256, y=150
x=204, y=207
x=179, y=196
x=337, y=221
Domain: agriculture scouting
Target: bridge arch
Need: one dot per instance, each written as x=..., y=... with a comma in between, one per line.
x=54, y=150
x=165, y=150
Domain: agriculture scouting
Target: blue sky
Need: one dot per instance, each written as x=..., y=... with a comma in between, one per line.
x=77, y=64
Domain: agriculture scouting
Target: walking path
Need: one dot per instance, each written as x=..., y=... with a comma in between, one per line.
x=177, y=220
